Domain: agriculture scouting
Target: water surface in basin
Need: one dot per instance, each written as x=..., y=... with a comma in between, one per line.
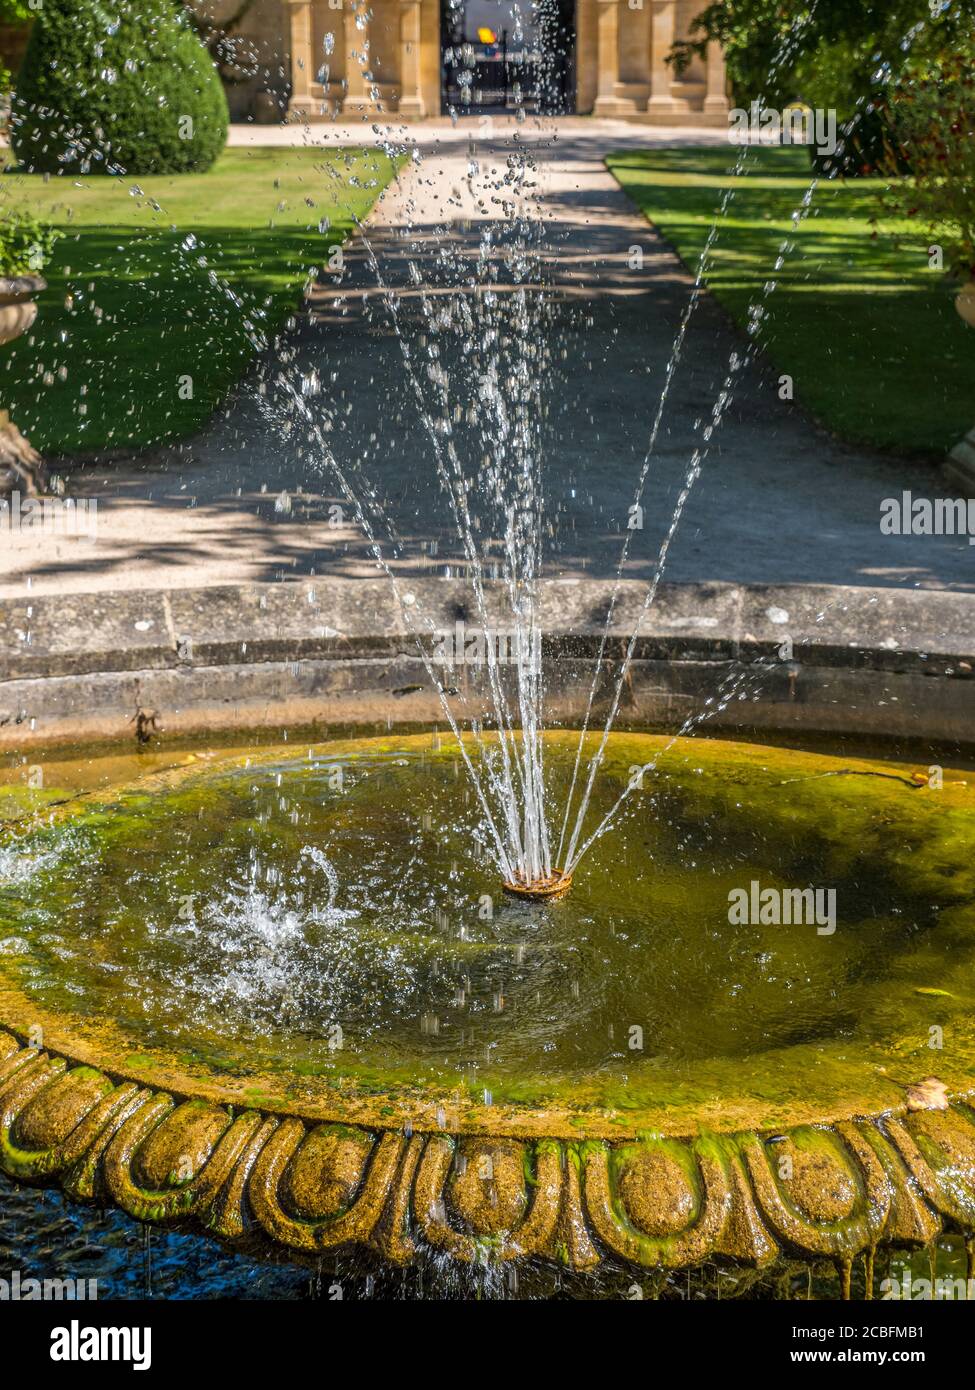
x=334, y=909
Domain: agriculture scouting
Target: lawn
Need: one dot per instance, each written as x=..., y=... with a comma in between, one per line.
x=161, y=287
x=868, y=332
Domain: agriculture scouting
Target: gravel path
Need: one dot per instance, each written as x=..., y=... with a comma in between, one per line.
x=778, y=501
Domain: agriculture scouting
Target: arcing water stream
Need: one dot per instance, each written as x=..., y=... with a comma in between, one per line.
x=476, y=375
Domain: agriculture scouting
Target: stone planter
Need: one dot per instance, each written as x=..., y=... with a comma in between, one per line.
x=959, y=467
x=17, y=307
x=21, y=465
x=965, y=303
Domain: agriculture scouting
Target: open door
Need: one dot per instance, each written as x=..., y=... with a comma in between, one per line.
x=500, y=55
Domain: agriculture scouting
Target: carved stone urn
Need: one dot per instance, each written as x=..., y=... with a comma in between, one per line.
x=959, y=467
x=965, y=303
x=20, y=464
x=17, y=307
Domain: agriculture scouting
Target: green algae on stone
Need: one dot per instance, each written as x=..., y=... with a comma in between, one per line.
x=192, y=914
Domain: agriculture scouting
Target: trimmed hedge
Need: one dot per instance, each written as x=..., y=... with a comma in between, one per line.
x=135, y=95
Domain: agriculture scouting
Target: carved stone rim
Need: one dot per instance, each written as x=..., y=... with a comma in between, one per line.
x=831, y=1192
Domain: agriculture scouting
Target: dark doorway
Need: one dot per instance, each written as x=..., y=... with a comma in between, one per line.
x=502, y=55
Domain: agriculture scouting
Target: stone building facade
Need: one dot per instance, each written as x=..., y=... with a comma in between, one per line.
x=318, y=58
x=340, y=56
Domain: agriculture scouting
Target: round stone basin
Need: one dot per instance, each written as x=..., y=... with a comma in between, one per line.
x=320, y=931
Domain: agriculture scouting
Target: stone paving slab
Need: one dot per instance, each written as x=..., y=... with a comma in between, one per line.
x=244, y=625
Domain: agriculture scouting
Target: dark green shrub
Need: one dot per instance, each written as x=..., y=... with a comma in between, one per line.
x=121, y=88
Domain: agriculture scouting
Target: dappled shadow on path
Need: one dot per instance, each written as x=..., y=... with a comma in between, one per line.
x=778, y=501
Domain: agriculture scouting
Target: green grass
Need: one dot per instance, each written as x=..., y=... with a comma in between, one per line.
x=162, y=279
x=868, y=332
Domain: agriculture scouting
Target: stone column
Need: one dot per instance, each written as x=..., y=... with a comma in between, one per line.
x=607, y=57
x=663, y=20
x=302, y=55
x=357, y=59
x=716, y=100
x=411, y=93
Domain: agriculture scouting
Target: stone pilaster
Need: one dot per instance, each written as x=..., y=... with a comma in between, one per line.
x=716, y=99
x=411, y=94
x=358, y=59
x=301, y=30
x=607, y=57
x=663, y=31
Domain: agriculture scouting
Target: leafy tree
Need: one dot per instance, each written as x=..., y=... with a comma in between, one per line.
x=831, y=54
x=933, y=118
x=126, y=87
x=12, y=12
x=774, y=47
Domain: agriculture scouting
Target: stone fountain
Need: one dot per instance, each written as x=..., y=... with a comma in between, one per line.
x=814, y=1120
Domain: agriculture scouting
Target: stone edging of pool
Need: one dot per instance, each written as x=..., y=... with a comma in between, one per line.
x=831, y=1192
x=335, y=653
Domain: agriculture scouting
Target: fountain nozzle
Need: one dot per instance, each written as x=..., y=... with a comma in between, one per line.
x=555, y=885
